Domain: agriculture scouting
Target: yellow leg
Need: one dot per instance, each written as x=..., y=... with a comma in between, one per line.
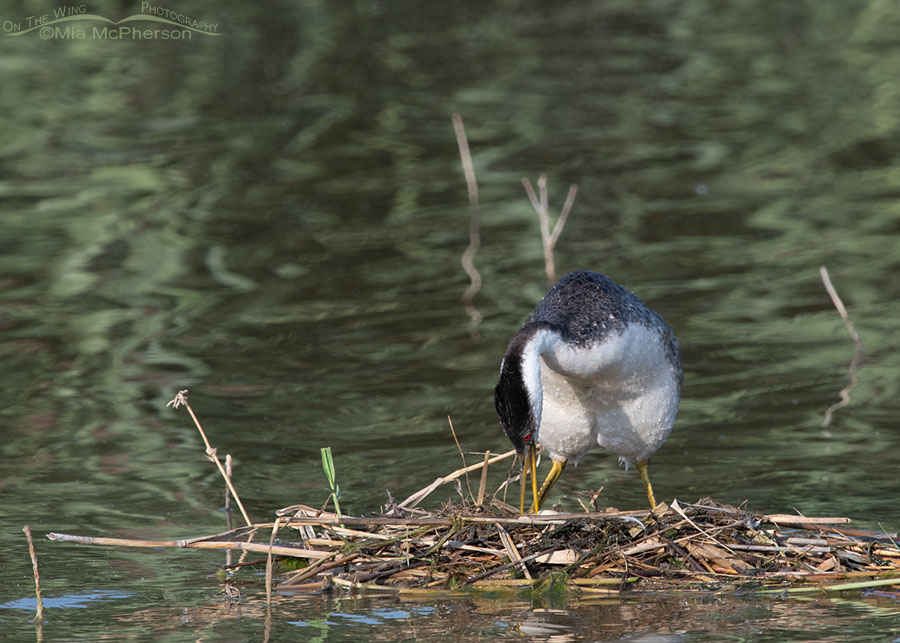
x=523, y=481
x=555, y=471
x=522, y=476
x=644, y=467
x=529, y=466
x=534, y=487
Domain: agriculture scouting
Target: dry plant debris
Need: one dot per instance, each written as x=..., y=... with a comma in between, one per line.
x=486, y=545
x=703, y=545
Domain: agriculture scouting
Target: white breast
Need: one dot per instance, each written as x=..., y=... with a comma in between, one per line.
x=620, y=394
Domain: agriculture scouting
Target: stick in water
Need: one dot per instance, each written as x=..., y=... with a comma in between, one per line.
x=468, y=258
x=269, y=562
x=228, y=524
x=461, y=455
x=39, y=615
x=181, y=400
x=541, y=206
x=857, y=342
x=482, y=486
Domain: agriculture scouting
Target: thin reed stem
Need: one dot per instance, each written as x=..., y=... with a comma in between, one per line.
x=39, y=614
x=540, y=203
x=461, y=455
x=468, y=258
x=181, y=400
x=269, y=562
x=844, y=394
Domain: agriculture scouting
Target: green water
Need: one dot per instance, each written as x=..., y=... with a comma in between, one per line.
x=273, y=218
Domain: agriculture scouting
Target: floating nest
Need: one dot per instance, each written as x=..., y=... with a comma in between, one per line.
x=704, y=545
x=486, y=545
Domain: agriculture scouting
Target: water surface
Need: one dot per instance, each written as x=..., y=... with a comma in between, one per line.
x=273, y=218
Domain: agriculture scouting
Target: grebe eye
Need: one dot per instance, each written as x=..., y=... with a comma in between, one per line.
x=527, y=437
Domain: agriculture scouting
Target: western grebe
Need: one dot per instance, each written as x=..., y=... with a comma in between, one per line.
x=591, y=367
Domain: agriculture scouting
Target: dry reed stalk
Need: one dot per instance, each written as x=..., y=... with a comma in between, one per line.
x=541, y=206
x=482, y=485
x=420, y=495
x=228, y=521
x=468, y=258
x=462, y=456
x=841, y=587
x=857, y=342
x=503, y=568
x=814, y=576
x=269, y=562
x=708, y=545
x=512, y=551
x=799, y=550
x=181, y=400
x=295, y=552
x=674, y=545
x=39, y=614
x=677, y=508
x=356, y=533
x=799, y=521
x=228, y=470
x=323, y=564
x=437, y=521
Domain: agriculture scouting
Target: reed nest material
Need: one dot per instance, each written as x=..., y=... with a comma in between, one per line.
x=485, y=545
x=703, y=545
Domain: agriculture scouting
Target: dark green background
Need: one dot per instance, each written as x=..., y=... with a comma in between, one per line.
x=273, y=218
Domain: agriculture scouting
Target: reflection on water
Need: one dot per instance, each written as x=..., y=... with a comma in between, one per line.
x=274, y=219
x=65, y=602
x=648, y=619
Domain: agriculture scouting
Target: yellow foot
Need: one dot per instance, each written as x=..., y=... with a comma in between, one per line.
x=555, y=471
